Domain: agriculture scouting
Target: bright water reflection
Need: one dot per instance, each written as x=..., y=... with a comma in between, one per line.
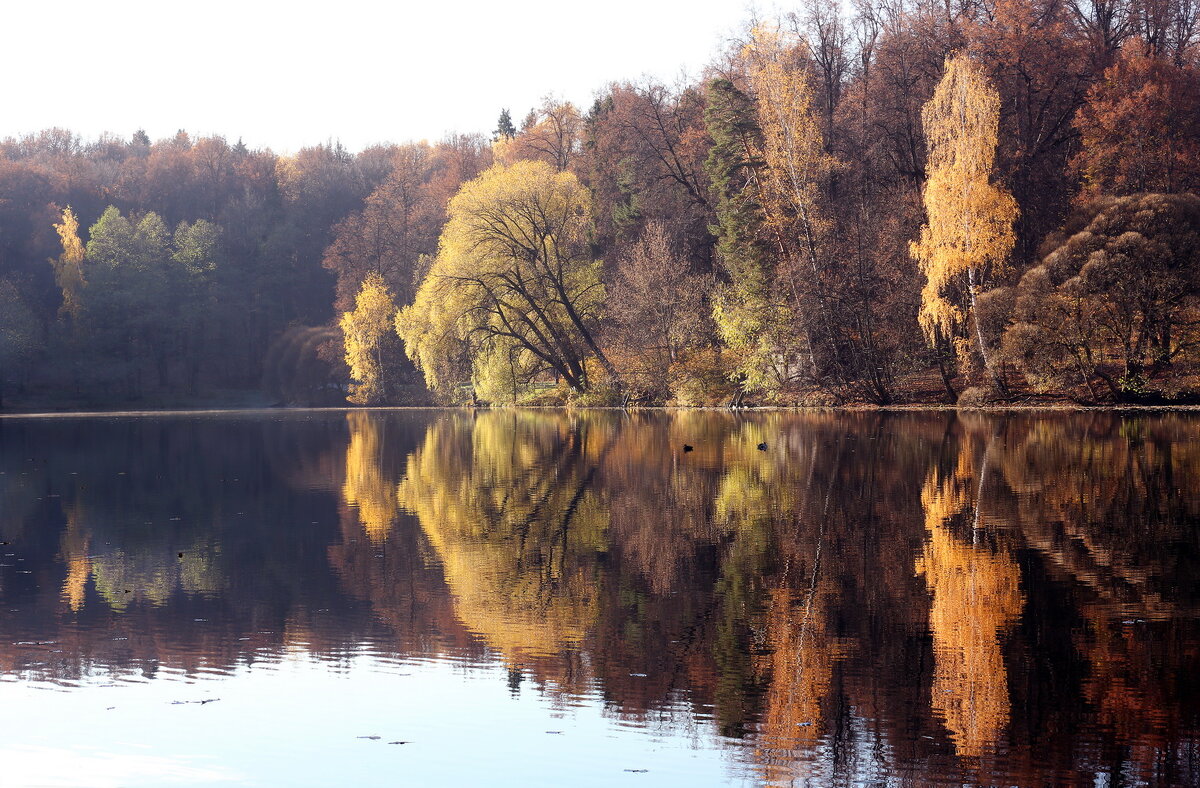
x=536, y=598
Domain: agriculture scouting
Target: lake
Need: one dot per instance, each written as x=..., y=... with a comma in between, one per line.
x=503, y=597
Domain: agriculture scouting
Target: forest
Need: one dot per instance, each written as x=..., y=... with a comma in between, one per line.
x=885, y=202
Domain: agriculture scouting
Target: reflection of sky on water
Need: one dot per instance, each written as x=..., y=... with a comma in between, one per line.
x=549, y=598
x=297, y=722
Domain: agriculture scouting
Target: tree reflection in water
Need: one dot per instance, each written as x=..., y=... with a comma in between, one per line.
x=992, y=598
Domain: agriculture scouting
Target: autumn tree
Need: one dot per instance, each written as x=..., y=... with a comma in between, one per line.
x=396, y=225
x=968, y=233
x=794, y=168
x=515, y=281
x=367, y=333
x=552, y=134
x=68, y=267
x=644, y=162
x=1126, y=284
x=657, y=309
x=1140, y=128
x=1041, y=73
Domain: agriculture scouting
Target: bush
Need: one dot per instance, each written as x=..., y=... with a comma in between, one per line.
x=700, y=378
x=974, y=396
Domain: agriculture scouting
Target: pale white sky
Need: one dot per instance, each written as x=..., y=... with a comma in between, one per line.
x=288, y=74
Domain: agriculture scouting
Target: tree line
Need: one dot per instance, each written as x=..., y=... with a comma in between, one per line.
x=899, y=202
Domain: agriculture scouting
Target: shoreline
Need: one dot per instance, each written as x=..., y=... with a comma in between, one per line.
x=910, y=408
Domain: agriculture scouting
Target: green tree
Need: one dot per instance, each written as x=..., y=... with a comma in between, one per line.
x=19, y=334
x=747, y=314
x=200, y=322
x=505, y=130
x=143, y=299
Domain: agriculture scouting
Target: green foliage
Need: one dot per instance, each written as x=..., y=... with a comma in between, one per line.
x=505, y=130
x=752, y=319
x=147, y=298
x=20, y=334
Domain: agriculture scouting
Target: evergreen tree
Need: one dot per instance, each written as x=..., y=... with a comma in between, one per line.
x=743, y=309
x=505, y=130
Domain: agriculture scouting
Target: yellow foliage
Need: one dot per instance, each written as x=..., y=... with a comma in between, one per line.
x=68, y=267
x=801, y=661
x=363, y=331
x=75, y=544
x=507, y=502
x=976, y=598
x=792, y=145
x=366, y=489
x=513, y=285
x=969, y=218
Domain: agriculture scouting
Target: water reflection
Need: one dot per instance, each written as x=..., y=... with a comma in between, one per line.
x=980, y=598
x=976, y=600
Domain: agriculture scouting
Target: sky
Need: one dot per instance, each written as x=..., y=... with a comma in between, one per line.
x=289, y=74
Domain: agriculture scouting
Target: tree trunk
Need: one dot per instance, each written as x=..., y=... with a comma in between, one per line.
x=950, y=392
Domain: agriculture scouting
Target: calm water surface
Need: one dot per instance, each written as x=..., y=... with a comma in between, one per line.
x=542, y=598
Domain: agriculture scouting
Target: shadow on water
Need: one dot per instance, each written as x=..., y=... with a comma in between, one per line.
x=838, y=598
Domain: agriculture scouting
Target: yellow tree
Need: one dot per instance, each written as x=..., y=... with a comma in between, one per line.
x=968, y=234
x=514, y=283
x=793, y=152
x=366, y=332
x=68, y=268
x=368, y=490
x=768, y=146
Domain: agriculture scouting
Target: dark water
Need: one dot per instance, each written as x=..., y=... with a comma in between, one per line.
x=539, y=598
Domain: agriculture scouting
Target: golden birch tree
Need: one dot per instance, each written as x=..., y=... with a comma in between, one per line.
x=794, y=164
x=968, y=234
x=793, y=152
x=68, y=267
x=366, y=332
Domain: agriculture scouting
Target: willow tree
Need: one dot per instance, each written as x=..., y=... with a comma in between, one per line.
x=514, y=284
x=968, y=234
